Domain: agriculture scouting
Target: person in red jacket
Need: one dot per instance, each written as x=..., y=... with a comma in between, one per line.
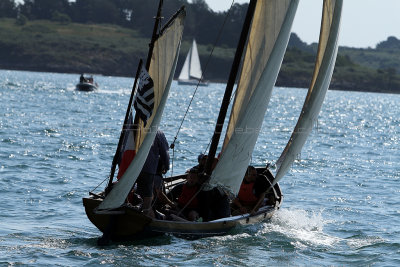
x=187, y=197
x=251, y=193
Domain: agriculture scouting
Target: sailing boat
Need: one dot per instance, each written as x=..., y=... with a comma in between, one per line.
x=191, y=73
x=261, y=47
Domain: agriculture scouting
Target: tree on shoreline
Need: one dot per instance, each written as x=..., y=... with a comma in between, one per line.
x=8, y=9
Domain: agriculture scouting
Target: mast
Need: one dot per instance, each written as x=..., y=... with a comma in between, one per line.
x=229, y=86
x=154, y=36
x=149, y=55
x=123, y=131
x=128, y=110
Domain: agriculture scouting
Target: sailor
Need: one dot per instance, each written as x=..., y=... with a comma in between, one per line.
x=251, y=193
x=158, y=153
x=160, y=201
x=187, y=198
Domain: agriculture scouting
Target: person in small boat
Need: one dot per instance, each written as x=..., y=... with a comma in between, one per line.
x=158, y=152
x=214, y=203
x=251, y=193
x=160, y=200
x=202, y=160
x=82, y=79
x=187, y=198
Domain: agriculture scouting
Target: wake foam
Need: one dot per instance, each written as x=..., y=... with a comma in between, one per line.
x=303, y=228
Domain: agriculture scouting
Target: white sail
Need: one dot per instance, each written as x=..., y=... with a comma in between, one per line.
x=184, y=75
x=267, y=42
x=325, y=62
x=191, y=68
x=195, y=67
x=162, y=68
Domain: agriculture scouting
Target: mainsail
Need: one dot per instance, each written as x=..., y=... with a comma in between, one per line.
x=266, y=45
x=324, y=65
x=161, y=70
x=191, y=68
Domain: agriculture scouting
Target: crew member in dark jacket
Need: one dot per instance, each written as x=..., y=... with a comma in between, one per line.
x=158, y=154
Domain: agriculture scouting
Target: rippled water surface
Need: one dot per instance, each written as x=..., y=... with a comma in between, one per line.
x=342, y=197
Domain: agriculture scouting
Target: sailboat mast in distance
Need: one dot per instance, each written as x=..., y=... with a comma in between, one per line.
x=191, y=73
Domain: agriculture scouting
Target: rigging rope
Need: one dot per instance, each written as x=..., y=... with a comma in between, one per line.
x=172, y=146
x=99, y=184
x=209, y=143
x=205, y=69
x=131, y=112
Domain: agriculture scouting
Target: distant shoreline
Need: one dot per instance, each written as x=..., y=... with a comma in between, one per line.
x=175, y=79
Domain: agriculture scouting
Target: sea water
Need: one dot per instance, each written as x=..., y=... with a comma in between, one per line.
x=341, y=197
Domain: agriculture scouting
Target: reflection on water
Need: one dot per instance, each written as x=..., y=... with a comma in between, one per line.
x=340, y=198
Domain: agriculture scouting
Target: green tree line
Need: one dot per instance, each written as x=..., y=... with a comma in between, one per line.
x=110, y=36
x=202, y=24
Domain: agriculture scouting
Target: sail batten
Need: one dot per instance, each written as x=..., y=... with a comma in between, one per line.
x=161, y=70
x=325, y=62
x=267, y=42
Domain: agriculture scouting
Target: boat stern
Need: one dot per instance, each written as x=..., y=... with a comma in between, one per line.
x=121, y=223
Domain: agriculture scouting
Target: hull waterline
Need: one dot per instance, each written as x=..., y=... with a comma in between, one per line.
x=86, y=87
x=127, y=223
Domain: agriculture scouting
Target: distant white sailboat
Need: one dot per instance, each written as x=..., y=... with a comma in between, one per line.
x=191, y=72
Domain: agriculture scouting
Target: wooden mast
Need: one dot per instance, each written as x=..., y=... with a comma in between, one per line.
x=148, y=61
x=123, y=131
x=229, y=86
x=128, y=110
x=155, y=35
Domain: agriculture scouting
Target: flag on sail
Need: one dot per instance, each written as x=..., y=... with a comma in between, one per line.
x=144, y=99
x=127, y=152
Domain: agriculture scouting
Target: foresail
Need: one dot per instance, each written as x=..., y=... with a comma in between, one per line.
x=324, y=65
x=184, y=75
x=162, y=68
x=195, y=67
x=267, y=42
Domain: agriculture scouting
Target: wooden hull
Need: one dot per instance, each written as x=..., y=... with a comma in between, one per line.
x=222, y=226
x=126, y=223
x=123, y=223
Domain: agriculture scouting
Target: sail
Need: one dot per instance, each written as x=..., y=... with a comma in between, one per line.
x=192, y=67
x=266, y=45
x=161, y=70
x=184, y=75
x=324, y=65
x=195, y=67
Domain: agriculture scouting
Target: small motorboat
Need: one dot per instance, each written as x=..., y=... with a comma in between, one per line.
x=86, y=84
